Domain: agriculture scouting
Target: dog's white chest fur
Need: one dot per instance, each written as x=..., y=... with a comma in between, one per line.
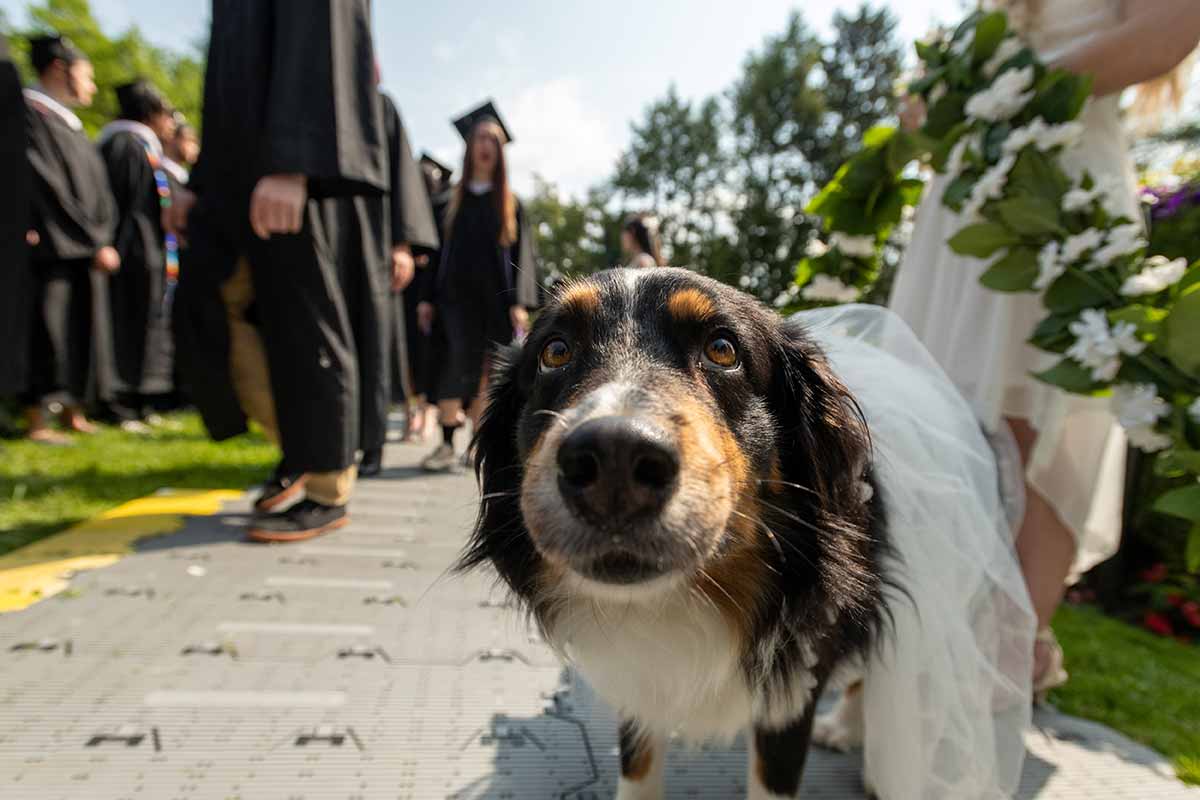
x=672, y=665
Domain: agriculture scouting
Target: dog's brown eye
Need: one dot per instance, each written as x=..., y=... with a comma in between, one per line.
x=556, y=354
x=721, y=352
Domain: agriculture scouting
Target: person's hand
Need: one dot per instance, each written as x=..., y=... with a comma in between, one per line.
x=912, y=112
x=403, y=267
x=175, y=216
x=519, y=318
x=107, y=260
x=277, y=205
x=32, y=238
x=425, y=317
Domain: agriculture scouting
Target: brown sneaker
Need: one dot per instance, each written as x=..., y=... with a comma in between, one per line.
x=305, y=520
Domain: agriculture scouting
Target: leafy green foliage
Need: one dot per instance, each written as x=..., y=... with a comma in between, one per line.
x=116, y=60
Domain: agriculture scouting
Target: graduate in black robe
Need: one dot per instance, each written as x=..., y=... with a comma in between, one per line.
x=421, y=349
x=486, y=281
x=293, y=135
x=133, y=153
x=16, y=280
x=412, y=234
x=73, y=223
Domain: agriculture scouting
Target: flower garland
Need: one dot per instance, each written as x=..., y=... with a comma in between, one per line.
x=1125, y=325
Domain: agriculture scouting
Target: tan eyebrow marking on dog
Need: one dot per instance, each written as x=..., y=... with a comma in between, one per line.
x=691, y=305
x=580, y=297
x=638, y=767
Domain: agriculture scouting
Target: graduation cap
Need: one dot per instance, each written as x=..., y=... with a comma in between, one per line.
x=429, y=161
x=140, y=100
x=45, y=50
x=485, y=113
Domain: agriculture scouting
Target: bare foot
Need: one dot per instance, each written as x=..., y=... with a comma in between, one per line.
x=73, y=419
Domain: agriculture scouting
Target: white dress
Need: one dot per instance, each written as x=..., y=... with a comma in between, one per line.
x=946, y=695
x=979, y=336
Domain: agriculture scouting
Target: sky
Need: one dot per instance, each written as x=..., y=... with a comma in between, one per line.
x=568, y=77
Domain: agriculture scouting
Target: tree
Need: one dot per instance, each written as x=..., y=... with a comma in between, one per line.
x=116, y=60
x=675, y=167
x=800, y=109
x=573, y=238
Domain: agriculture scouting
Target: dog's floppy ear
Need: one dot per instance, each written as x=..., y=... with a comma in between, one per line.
x=500, y=536
x=823, y=443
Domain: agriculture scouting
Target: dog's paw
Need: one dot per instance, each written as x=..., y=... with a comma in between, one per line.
x=833, y=731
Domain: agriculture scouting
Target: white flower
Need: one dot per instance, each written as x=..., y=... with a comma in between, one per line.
x=937, y=93
x=1008, y=49
x=828, y=288
x=1158, y=274
x=1049, y=266
x=1099, y=347
x=1024, y=136
x=1079, y=198
x=1122, y=240
x=1148, y=440
x=958, y=154
x=989, y=187
x=1067, y=134
x=1137, y=404
x=1194, y=410
x=816, y=248
x=1075, y=246
x=1007, y=95
x=1139, y=408
x=853, y=246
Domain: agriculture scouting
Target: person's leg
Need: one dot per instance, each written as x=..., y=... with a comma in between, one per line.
x=248, y=368
x=1046, y=549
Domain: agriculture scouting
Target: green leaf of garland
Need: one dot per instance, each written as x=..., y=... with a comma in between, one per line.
x=1030, y=216
x=1183, y=503
x=1072, y=293
x=1181, y=332
x=982, y=240
x=988, y=35
x=1192, y=554
x=1015, y=272
x=1070, y=375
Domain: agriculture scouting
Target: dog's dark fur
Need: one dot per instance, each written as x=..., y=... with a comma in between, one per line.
x=798, y=559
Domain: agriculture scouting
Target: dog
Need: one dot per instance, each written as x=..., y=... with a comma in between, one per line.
x=678, y=489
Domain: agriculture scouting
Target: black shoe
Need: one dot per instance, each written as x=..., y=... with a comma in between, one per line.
x=279, y=490
x=306, y=519
x=371, y=463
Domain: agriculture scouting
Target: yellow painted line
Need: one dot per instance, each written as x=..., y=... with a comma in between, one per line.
x=45, y=567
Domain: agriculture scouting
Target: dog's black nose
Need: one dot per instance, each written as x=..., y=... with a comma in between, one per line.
x=612, y=469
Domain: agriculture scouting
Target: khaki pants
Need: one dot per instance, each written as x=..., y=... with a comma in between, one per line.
x=251, y=379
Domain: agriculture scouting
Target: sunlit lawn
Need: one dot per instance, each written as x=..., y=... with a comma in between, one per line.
x=43, y=489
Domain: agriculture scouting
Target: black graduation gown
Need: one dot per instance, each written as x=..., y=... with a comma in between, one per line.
x=412, y=223
x=422, y=347
x=16, y=280
x=477, y=283
x=141, y=329
x=289, y=88
x=73, y=212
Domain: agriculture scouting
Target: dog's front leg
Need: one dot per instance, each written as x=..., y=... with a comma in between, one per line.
x=643, y=756
x=777, y=756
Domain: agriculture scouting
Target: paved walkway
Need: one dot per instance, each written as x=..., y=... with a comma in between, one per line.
x=351, y=667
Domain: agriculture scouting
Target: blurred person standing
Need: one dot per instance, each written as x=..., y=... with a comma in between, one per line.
x=132, y=148
x=486, y=281
x=16, y=280
x=639, y=242
x=293, y=133
x=412, y=235
x=72, y=229
x=181, y=150
x=420, y=345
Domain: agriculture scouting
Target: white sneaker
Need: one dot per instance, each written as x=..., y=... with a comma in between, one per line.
x=441, y=460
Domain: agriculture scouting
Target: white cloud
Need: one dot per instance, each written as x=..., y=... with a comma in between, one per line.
x=559, y=137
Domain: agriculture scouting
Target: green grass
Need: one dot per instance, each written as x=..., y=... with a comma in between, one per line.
x=1143, y=685
x=45, y=489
